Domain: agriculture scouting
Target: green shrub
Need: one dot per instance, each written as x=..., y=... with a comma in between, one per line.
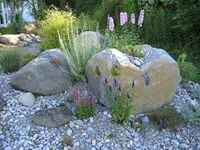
x=135, y=51
x=121, y=103
x=9, y=30
x=196, y=93
x=165, y=118
x=188, y=71
x=11, y=59
x=79, y=50
x=55, y=21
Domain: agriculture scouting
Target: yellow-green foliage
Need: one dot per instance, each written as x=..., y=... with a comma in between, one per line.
x=55, y=20
x=133, y=50
x=114, y=71
x=96, y=71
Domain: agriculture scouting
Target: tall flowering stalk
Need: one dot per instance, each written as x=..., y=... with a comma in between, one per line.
x=123, y=18
x=141, y=18
x=111, y=24
x=84, y=103
x=133, y=18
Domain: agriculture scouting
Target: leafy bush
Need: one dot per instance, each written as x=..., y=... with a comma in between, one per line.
x=84, y=104
x=9, y=30
x=196, y=93
x=188, y=71
x=11, y=59
x=55, y=21
x=165, y=118
x=78, y=52
x=189, y=114
x=121, y=103
x=135, y=51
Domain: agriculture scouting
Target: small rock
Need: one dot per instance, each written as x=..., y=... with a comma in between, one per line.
x=137, y=62
x=183, y=145
x=104, y=148
x=8, y=148
x=76, y=144
x=71, y=124
x=79, y=122
x=93, y=148
x=94, y=142
x=27, y=99
x=69, y=132
x=145, y=119
x=105, y=113
x=65, y=148
x=91, y=120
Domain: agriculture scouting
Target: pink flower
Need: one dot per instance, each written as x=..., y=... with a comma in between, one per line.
x=111, y=24
x=125, y=17
x=133, y=18
x=70, y=86
x=93, y=101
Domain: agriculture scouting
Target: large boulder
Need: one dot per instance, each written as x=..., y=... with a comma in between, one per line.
x=155, y=80
x=47, y=74
x=9, y=39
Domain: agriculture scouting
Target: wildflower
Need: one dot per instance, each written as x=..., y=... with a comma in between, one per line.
x=115, y=98
x=106, y=80
x=125, y=17
x=110, y=88
x=93, y=101
x=111, y=24
x=70, y=86
x=128, y=95
x=141, y=18
x=133, y=18
x=115, y=82
x=133, y=84
x=122, y=18
x=120, y=88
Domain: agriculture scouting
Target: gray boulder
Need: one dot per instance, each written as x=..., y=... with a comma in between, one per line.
x=45, y=75
x=155, y=80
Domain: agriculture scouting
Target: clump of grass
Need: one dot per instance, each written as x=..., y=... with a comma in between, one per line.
x=67, y=141
x=11, y=59
x=165, y=118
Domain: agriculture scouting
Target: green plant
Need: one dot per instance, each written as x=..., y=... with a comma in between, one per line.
x=121, y=103
x=55, y=20
x=84, y=103
x=67, y=141
x=96, y=71
x=9, y=30
x=19, y=25
x=135, y=51
x=188, y=71
x=189, y=114
x=115, y=71
x=28, y=58
x=78, y=51
x=196, y=93
x=11, y=59
x=110, y=136
x=165, y=118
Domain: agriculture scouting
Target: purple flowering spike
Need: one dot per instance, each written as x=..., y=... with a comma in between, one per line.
x=106, y=80
x=110, y=88
x=127, y=94
x=120, y=88
x=115, y=98
x=115, y=82
x=133, y=84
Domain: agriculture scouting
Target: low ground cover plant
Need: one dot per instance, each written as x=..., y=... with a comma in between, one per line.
x=165, y=118
x=196, y=93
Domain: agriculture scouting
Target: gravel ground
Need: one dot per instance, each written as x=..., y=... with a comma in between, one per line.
x=17, y=132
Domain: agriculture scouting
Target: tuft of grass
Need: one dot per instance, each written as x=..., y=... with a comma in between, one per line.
x=67, y=141
x=11, y=59
x=165, y=118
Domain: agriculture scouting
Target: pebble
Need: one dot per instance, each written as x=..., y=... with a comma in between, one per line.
x=137, y=62
x=76, y=144
x=94, y=142
x=71, y=124
x=79, y=122
x=183, y=145
x=69, y=132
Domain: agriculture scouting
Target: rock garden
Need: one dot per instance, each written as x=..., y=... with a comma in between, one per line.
x=65, y=86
